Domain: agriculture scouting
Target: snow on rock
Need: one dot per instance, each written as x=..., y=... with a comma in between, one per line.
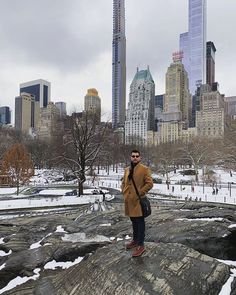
x=82, y=237
x=232, y=225
x=19, y=281
x=53, y=264
x=60, y=229
x=3, y=253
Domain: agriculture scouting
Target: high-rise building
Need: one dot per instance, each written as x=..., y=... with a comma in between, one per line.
x=92, y=103
x=210, y=63
x=26, y=113
x=210, y=120
x=41, y=90
x=158, y=110
x=177, y=102
x=173, y=122
x=118, y=65
x=230, y=104
x=5, y=115
x=49, y=124
x=61, y=105
x=184, y=47
x=193, y=44
x=140, y=112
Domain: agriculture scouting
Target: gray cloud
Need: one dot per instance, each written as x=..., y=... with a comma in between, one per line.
x=68, y=42
x=64, y=34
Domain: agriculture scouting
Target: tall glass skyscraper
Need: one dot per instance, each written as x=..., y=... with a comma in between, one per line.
x=41, y=89
x=118, y=65
x=193, y=44
x=5, y=115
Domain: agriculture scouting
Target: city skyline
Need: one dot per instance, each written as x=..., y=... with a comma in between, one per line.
x=80, y=58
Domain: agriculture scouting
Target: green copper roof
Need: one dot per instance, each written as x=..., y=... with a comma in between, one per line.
x=143, y=75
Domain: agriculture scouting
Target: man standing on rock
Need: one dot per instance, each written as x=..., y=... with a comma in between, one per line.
x=142, y=177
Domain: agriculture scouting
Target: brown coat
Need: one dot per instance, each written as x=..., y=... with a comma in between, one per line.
x=143, y=181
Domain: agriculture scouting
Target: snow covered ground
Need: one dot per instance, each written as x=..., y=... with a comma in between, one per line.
x=226, y=193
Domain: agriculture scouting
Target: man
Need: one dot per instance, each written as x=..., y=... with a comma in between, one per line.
x=143, y=180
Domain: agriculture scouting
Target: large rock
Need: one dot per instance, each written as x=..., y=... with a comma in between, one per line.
x=177, y=261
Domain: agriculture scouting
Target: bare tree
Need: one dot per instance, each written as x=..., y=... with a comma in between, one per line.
x=227, y=150
x=83, y=144
x=165, y=158
x=197, y=153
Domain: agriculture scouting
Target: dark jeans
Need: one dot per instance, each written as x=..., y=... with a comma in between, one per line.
x=138, y=229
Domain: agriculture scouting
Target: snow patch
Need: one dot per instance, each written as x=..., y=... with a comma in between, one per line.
x=228, y=262
x=232, y=226
x=201, y=219
x=226, y=289
x=2, y=266
x=53, y=264
x=105, y=224
x=81, y=237
x=60, y=229
x=19, y=281
x=3, y=253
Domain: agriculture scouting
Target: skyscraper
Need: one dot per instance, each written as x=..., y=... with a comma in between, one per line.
x=210, y=63
x=210, y=120
x=92, y=103
x=61, y=105
x=49, y=124
x=140, y=112
x=5, y=115
x=193, y=44
x=41, y=89
x=118, y=65
x=177, y=102
x=26, y=113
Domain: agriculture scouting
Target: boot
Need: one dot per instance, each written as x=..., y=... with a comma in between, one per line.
x=131, y=245
x=138, y=251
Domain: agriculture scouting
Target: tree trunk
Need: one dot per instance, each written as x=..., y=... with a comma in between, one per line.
x=17, y=188
x=80, y=188
x=196, y=175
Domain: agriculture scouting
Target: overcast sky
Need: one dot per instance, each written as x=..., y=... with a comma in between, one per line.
x=69, y=42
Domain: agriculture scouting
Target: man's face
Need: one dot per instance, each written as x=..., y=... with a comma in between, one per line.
x=135, y=158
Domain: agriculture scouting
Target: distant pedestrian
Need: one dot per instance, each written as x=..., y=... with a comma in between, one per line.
x=213, y=192
x=192, y=189
x=173, y=189
x=217, y=191
x=103, y=195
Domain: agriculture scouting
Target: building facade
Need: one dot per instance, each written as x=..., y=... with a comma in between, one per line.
x=210, y=120
x=41, y=90
x=210, y=63
x=173, y=122
x=177, y=98
x=61, y=105
x=92, y=103
x=118, y=64
x=140, y=112
x=193, y=44
x=49, y=124
x=5, y=115
x=158, y=110
x=26, y=113
x=230, y=105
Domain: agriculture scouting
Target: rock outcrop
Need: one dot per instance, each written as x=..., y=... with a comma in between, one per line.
x=181, y=244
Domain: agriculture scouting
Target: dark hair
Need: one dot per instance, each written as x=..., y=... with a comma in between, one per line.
x=135, y=151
